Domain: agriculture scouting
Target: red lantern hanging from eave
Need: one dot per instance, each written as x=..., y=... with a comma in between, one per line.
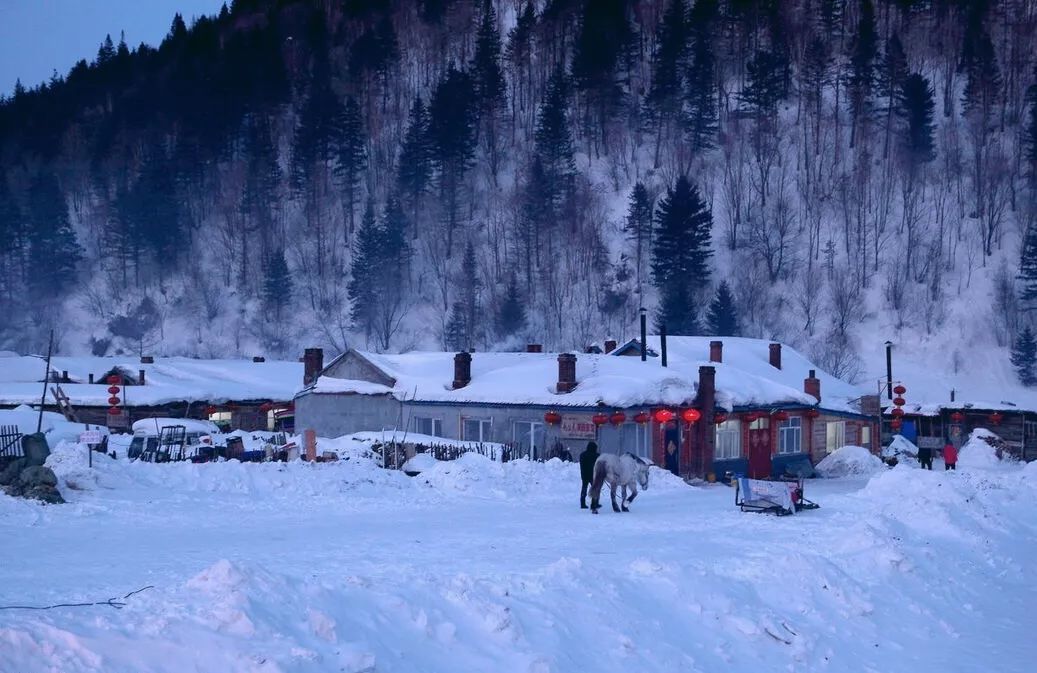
x=114, y=380
x=719, y=417
x=811, y=413
x=642, y=417
x=899, y=401
x=663, y=416
x=113, y=400
x=113, y=390
x=780, y=415
x=899, y=390
x=599, y=419
x=552, y=417
x=896, y=413
x=114, y=411
x=957, y=417
x=210, y=410
x=751, y=417
x=617, y=418
x=996, y=418
x=691, y=416
x=895, y=424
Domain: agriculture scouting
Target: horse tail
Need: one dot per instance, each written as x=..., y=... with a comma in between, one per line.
x=600, y=473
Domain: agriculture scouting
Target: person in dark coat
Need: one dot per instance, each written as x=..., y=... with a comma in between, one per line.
x=925, y=458
x=671, y=458
x=587, y=460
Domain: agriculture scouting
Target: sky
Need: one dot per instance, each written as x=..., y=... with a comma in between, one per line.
x=39, y=36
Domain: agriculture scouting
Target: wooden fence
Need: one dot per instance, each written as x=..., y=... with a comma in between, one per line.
x=10, y=441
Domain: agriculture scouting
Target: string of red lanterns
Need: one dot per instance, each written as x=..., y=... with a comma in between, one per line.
x=617, y=418
x=897, y=412
x=113, y=392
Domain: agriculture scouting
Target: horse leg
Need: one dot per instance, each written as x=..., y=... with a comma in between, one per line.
x=599, y=480
x=612, y=491
x=633, y=494
x=623, y=500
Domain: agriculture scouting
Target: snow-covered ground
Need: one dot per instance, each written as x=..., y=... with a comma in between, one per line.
x=479, y=566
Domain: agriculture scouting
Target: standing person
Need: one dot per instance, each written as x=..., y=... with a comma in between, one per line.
x=587, y=460
x=671, y=458
x=950, y=457
x=925, y=458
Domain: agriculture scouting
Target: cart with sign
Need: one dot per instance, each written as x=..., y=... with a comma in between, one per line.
x=778, y=496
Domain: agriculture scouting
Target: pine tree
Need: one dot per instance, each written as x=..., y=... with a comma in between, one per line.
x=639, y=227
x=602, y=46
x=815, y=75
x=553, y=140
x=363, y=283
x=766, y=84
x=157, y=212
x=263, y=179
x=277, y=287
x=53, y=252
x=415, y=172
x=487, y=75
x=681, y=253
x=663, y=100
x=860, y=80
x=677, y=312
x=890, y=79
x=470, y=288
x=983, y=82
x=352, y=156
x=106, y=52
x=722, y=317
x=452, y=116
x=316, y=137
x=915, y=106
x=1028, y=266
x=700, y=101
x=455, y=335
x=511, y=316
x=1030, y=131
x=1024, y=357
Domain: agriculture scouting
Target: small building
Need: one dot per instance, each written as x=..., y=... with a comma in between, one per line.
x=247, y=394
x=932, y=425
x=738, y=405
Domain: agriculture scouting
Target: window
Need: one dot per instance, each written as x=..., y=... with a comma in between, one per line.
x=476, y=429
x=529, y=438
x=760, y=424
x=790, y=435
x=635, y=439
x=835, y=435
x=424, y=425
x=866, y=436
x=729, y=440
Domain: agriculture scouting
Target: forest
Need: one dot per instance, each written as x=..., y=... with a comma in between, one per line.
x=477, y=174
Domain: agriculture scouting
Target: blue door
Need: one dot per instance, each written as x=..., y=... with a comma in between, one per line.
x=909, y=431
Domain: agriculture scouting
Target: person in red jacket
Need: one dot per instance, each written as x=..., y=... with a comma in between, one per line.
x=950, y=457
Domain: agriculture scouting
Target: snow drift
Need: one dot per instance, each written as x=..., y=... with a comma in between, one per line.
x=850, y=461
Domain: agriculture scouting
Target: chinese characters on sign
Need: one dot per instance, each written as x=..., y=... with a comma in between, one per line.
x=578, y=427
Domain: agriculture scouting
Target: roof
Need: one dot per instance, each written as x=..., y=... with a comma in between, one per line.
x=745, y=378
x=166, y=380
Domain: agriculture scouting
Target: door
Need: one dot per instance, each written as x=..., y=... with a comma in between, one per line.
x=759, y=453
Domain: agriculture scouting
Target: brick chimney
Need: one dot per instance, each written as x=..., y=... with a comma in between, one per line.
x=716, y=351
x=812, y=385
x=534, y=348
x=566, y=372
x=140, y=377
x=706, y=401
x=610, y=345
x=775, y=355
x=462, y=369
x=312, y=363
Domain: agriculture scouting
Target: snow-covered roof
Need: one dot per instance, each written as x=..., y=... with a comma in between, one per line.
x=744, y=378
x=166, y=380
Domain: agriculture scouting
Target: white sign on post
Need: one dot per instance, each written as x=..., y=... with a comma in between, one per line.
x=578, y=427
x=90, y=437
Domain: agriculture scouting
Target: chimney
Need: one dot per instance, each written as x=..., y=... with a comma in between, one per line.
x=258, y=358
x=147, y=360
x=462, y=369
x=91, y=378
x=706, y=401
x=534, y=348
x=610, y=345
x=566, y=372
x=312, y=363
x=775, y=353
x=140, y=377
x=64, y=376
x=812, y=385
x=716, y=351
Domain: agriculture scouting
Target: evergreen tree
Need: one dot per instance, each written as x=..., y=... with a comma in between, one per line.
x=260, y=198
x=815, y=75
x=553, y=144
x=316, y=136
x=915, y=107
x=106, y=52
x=860, y=80
x=1024, y=357
x=890, y=79
x=455, y=335
x=1030, y=131
x=722, y=317
x=983, y=83
x=602, y=46
x=157, y=215
x=277, y=287
x=452, y=116
x=681, y=253
x=415, y=172
x=664, y=97
x=766, y=84
x=470, y=288
x=363, y=284
x=700, y=101
x=639, y=227
x=352, y=156
x=1028, y=266
x=53, y=252
x=511, y=316
x=487, y=75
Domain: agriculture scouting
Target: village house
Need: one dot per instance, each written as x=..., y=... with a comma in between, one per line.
x=252, y=394
x=735, y=405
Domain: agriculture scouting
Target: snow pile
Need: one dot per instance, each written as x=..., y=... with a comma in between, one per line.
x=903, y=449
x=981, y=450
x=850, y=461
x=54, y=425
x=419, y=463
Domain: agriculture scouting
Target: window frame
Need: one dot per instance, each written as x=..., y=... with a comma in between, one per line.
x=484, y=422
x=532, y=427
x=436, y=423
x=841, y=435
x=793, y=426
x=723, y=450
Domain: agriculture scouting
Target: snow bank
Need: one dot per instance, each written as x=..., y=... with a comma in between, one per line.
x=850, y=461
x=981, y=450
x=54, y=425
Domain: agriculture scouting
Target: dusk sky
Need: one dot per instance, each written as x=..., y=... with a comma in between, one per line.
x=39, y=36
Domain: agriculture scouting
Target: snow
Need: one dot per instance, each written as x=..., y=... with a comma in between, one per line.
x=166, y=380
x=900, y=447
x=978, y=452
x=744, y=378
x=153, y=426
x=54, y=426
x=850, y=461
x=477, y=565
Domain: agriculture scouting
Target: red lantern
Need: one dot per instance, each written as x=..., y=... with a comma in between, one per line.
x=114, y=379
x=812, y=413
x=642, y=417
x=114, y=411
x=899, y=401
x=617, y=418
x=552, y=417
x=663, y=416
x=691, y=415
x=895, y=425
x=719, y=417
x=265, y=407
x=751, y=417
x=780, y=415
x=896, y=412
x=599, y=419
x=996, y=418
x=113, y=400
x=899, y=390
x=113, y=390
x=957, y=417
x=210, y=410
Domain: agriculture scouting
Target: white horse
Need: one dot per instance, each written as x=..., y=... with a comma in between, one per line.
x=626, y=471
